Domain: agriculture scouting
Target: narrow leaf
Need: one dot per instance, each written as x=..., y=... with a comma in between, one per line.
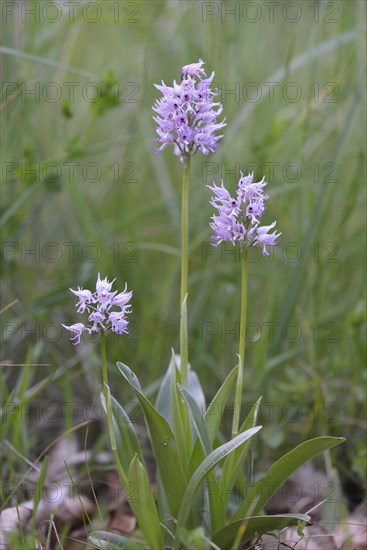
x=196, y=389
x=254, y=527
x=261, y=491
x=217, y=510
x=111, y=541
x=204, y=469
x=163, y=443
x=163, y=401
x=145, y=509
x=126, y=439
x=180, y=420
x=234, y=462
x=216, y=408
x=198, y=420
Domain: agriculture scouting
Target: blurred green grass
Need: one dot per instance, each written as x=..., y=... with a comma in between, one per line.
x=319, y=203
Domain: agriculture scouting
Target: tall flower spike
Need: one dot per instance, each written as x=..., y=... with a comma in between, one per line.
x=99, y=306
x=238, y=219
x=187, y=113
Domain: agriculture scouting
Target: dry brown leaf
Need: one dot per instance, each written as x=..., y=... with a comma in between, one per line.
x=11, y=519
x=353, y=531
x=315, y=538
x=71, y=512
x=121, y=522
x=115, y=494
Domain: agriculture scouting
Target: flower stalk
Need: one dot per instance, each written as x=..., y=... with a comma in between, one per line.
x=243, y=306
x=184, y=273
x=239, y=221
x=106, y=394
x=242, y=346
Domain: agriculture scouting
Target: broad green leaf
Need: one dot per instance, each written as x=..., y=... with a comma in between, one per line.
x=196, y=389
x=214, y=511
x=145, y=509
x=217, y=510
x=126, y=440
x=216, y=408
x=194, y=539
x=111, y=541
x=245, y=529
x=198, y=420
x=196, y=458
x=130, y=377
x=234, y=462
x=163, y=402
x=163, y=443
x=261, y=491
x=204, y=469
x=180, y=420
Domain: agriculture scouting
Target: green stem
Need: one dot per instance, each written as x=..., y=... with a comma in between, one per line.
x=104, y=368
x=243, y=307
x=106, y=393
x=184, y=272
x=239, y=384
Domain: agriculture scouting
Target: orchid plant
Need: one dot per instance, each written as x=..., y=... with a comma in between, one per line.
x=197, y=473
x=187, y=119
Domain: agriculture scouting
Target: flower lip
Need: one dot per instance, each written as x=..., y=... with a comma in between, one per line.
x=77, y=329
x=193, y=69
x=85, y=298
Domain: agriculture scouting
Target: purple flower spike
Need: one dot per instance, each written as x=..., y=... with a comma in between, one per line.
x=238, y=219
x=187, y=114
x=99, y=306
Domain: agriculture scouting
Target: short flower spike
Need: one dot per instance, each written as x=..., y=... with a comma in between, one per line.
x=99, y=307
x=238, y=219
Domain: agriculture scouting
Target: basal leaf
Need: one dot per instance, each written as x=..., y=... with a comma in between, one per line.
x=145, y=509
x=234, y=462
x=203, y=470
x=163, y=443
x=126, y=439
x=245, y=529
x=216, y=408
x=261, y=491
x=111, y=541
